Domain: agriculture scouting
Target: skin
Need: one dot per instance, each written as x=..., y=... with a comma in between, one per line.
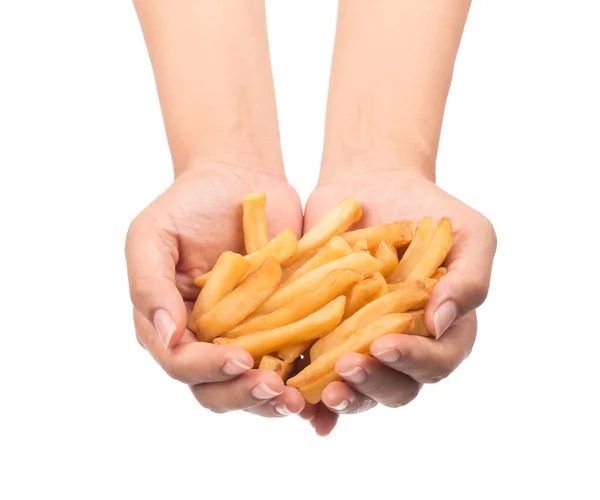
x=391, y=71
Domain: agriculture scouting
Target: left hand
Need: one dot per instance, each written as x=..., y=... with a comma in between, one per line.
x=401, y=364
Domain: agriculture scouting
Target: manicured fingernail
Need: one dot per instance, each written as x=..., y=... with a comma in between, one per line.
x=388, y=355
x=283, y=410
x=357, y=375
x=235, y=367
x=164, y=325
x=263, y=391
x=444, y=317
x=342, y=406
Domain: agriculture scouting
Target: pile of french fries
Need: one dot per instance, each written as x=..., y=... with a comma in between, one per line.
x=291, y=302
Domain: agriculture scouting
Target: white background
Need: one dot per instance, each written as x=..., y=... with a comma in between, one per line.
x=87, y=414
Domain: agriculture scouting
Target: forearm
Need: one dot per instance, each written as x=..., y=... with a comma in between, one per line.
x=213, y=74
x=390, y=76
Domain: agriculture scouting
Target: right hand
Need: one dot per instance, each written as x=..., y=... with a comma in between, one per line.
x=180, y=236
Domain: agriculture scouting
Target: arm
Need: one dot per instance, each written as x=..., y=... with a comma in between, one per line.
x=390, y=77
x=213, y=74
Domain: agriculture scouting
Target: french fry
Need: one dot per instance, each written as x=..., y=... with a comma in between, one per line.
x=331, y=286
x=290, y=269
x=411, y=295
x=313, y=326
x=361, y=294
x=397, y=234
x=414, y=251
x=360, y=246
x=440, y=273
x=384, y=285
x=388, y=256
x=291, y=353
x=337, y=220
x=254, y=221
x=280, y=248
x=429, y=285
x=436, y=252
x=225, y=276
x=334, y=249
x=361, y=262
x=312, y=391
x=241, y=302
x=419, y=327
x=280, y=367
x=359, y=342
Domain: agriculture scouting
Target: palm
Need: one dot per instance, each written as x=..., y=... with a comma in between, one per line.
x=204, y=206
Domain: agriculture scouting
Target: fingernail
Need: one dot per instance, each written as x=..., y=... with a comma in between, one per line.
x=235, y=367
x=342, y=406
x=263, y=391
x=283, y=410
x=357, y=375
x=164, y=325
x=388, y=355
x=444, y=317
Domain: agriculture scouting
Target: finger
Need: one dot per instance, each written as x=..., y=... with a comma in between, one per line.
x=376, y=381
x=152, y=253
x=339, y=397
x=324, y=420
x=251, y=389
x=428, y=360
x=466, y=285
x=309, y=412
x=289, y=402
x=193, y=362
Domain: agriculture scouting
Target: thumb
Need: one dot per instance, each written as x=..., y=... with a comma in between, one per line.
x=152, y=253
x=466, y=285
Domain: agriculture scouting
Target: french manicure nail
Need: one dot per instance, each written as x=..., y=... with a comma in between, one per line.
x=388, y=355
x=235, y=367
x=263, y=391
x=342, y=406
x=357, y=375
x=444, y=317
x=283, y=410
x=164, y=325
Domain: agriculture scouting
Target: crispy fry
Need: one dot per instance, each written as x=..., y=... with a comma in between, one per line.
x=397, y=234
x=361, y=294
x=241, y=302
x=359, y=342
x=336, y=248
x=292, y=352
x=413, y=252
x=360, y=246
x=440, y=273
x=336, y=221
x=255, y=221
x=411, y=295
x=290, y=269
x=280, y=367
x=331, y=286
x=388, y=256
x=384, y=285
x=304, y=286
x=312, y=391
x=436, y=252
x=419, y=327
x=313, y=326
x=280, y=247
x=225, y=276
x=429, y=285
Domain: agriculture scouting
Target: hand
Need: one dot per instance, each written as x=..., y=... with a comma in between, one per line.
x=401, y=364
x=180, y=236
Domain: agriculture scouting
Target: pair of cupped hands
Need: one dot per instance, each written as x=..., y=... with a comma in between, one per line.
x=180, y=235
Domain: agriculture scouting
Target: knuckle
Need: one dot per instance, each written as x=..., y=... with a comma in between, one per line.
x=407, y=396
x=439, y=374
